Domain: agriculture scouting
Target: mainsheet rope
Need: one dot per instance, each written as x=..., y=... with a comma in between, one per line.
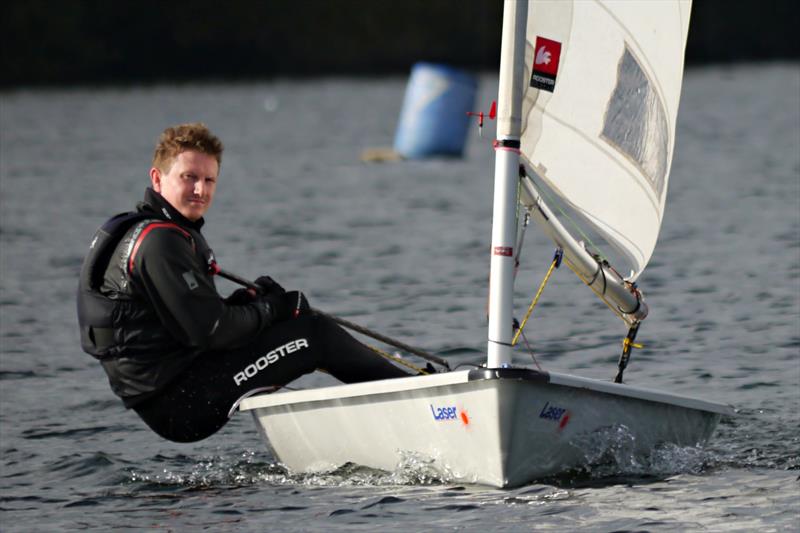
x=398, y=360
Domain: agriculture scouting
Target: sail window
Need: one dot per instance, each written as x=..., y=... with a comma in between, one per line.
x=635, y=122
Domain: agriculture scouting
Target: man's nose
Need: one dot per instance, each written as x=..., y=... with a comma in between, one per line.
x=199, y=186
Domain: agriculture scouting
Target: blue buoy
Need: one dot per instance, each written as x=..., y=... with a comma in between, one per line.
x=433, y=120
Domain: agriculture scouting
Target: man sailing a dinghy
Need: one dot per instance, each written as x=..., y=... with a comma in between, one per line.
x=174, y=350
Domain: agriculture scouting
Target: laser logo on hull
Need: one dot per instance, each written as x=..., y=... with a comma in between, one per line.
x=448, y=413
x=556, y=414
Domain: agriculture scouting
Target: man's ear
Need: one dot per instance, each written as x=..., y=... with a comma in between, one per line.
x=155, y=179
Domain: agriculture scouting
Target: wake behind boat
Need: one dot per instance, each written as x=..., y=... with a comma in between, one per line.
x=587, y=102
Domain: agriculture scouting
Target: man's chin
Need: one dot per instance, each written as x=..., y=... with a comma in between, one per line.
x=194, y=214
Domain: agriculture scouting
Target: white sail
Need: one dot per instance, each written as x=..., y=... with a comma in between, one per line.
x=598, y=124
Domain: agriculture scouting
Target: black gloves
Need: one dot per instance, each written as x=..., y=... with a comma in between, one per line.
x=287, y=305
x=274, y=303
x=241, y=297
x=279, y=311
x=267, y=285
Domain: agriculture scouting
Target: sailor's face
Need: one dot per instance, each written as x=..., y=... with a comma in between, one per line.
x=190, y=183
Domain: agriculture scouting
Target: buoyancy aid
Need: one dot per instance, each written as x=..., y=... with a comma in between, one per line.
x=95, y=310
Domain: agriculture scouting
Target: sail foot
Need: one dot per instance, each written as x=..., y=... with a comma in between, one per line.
x=622, y=296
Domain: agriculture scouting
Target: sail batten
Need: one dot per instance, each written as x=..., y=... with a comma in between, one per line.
x=599, y=111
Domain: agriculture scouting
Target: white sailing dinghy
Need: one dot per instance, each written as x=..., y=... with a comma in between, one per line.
x=588, y=99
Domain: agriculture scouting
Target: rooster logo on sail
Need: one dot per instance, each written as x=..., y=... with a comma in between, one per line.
x=545, y=64
x=542, y=56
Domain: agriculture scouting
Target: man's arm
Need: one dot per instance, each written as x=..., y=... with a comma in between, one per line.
x=184, y=297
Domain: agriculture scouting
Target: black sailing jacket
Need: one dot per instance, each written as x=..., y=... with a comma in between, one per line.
x=155, y=307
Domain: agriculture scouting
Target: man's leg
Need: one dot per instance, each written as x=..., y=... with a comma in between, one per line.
x=347, y=359
x=196, y=404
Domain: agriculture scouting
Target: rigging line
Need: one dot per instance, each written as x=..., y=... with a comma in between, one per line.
x=605, y=281
x=556, y=261
x=521, y=237
x=383, y=338
x=596, y=273
x=397, y=360
x=628, y=345
x=530, y=350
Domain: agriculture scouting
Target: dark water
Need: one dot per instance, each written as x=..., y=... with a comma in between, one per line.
x=401, y=248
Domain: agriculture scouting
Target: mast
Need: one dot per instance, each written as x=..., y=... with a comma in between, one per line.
x=506, y=176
